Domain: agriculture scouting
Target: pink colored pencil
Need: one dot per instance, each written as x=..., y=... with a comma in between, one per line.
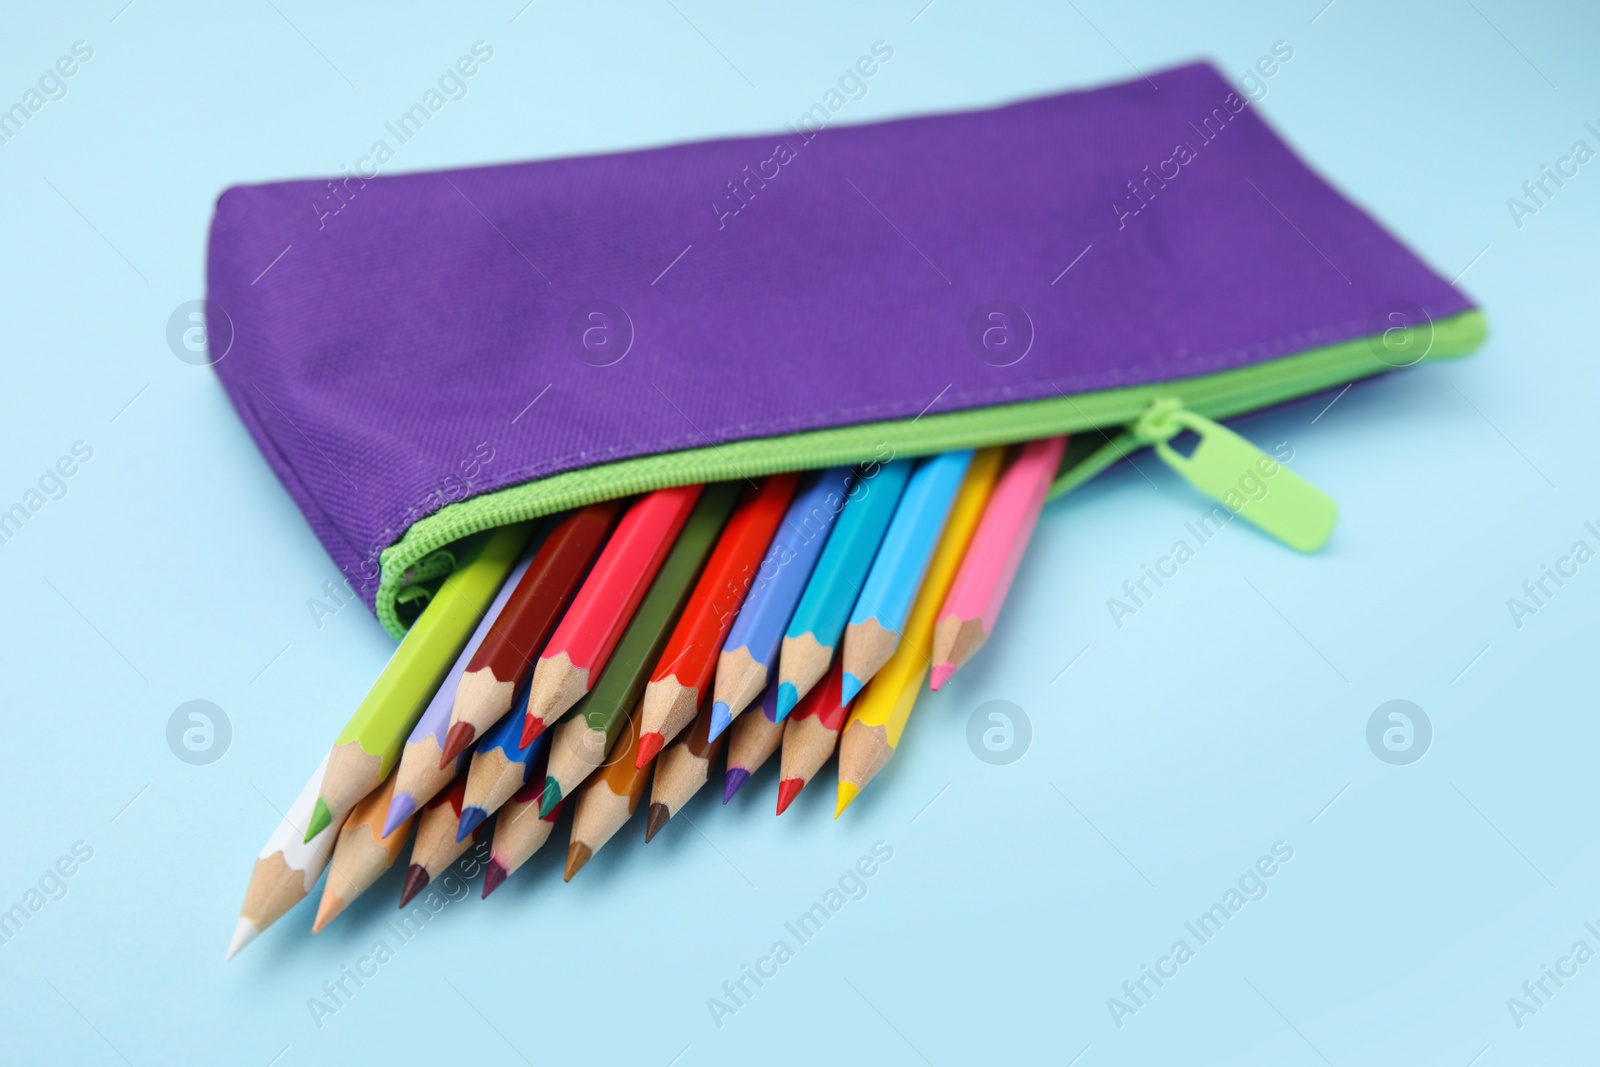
x=587, y=633
x=968, y=616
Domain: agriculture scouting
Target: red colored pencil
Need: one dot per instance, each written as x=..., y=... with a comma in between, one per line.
x=683, y=674
x=589, y=630
x=524, y=624
x=811, y=735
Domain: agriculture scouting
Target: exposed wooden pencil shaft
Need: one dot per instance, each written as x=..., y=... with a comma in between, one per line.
x=955, y=641
x=740, y=679
x=557, y=686
x=492, y=780
x=481, y=699
x=863, y=752
x=419, y=773
x=668, y=707
x=807, y=744
x=274, y=888
x=752, y=740
x=518, y=834
x=599, y=814
x=436, y=846
x=803, y=662
x=867, y=647
x=352, y=774
x=575, y=751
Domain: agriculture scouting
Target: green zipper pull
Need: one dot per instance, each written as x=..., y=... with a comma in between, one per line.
x=1240, y=476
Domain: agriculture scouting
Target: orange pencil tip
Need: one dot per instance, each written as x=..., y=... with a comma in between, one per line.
x=578, y=854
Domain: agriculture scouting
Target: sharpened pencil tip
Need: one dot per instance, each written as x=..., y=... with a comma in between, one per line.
x=493, y=875
x=416, y=882
x=320, y=818
x=655, y=821
x=847, y=795
x=471, y=818
x=788, y=697
x=788, y=789
x=737, y=776
x=329, y=909
x=849, y=686
x=456, y=742
x=721, y=719
x=401, y=808
x=578, y=854
x=531, y=729
x=244, y=932
x=941, y=674
x=650, y=745
x=550, y=798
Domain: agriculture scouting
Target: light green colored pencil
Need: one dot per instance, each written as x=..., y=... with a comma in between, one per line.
x=369, y=744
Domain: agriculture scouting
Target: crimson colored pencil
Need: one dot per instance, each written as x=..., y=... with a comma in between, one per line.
x=587, y=633
x=524, y=624
x=683, y=675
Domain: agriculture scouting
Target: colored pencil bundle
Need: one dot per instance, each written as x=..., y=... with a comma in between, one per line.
x=819, y=604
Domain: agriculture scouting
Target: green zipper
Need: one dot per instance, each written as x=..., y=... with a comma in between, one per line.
x=1211, y=396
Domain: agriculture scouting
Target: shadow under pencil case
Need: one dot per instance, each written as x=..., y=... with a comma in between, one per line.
x=425, y=356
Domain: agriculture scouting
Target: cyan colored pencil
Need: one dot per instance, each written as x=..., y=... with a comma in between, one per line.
x=896, y=574
x=819, y=620
x=749, y=658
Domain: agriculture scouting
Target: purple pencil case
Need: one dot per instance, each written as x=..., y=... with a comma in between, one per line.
x=425, y=356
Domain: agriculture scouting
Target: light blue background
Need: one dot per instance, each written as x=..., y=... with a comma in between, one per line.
x=1228, y=714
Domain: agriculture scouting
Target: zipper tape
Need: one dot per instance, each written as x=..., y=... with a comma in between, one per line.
x=1210, y=397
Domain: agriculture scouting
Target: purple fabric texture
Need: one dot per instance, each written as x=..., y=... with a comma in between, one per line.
x=387, y=334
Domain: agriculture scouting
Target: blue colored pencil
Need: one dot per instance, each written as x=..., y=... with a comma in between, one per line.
x=500, y=766
x=751, y=650
x=824, y=608
x=896, y=574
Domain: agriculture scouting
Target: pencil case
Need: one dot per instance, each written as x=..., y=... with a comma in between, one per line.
x=421, y=357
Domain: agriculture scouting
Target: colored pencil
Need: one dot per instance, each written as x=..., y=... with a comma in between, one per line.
x=897, y=570
x=423, y=770
x=749, y=656
x=753, y=740
x=366, y=749
x=505, y=658
x=819, y=620
x=587, y=633
x=969, y=613
x=586, y=737
x=607, y=800
x=879, y=717
x=436, y=846
x=286, y=868
x=810, y=735
x=685, y=767
x=363, y=852
x=500, y=766
x=520, y=831
x=682, y=678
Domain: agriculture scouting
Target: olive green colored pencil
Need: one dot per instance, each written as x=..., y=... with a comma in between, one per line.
x=589, y=732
